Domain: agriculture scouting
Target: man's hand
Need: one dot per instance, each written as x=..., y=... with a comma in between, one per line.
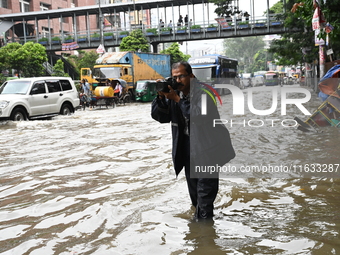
x=172, y=95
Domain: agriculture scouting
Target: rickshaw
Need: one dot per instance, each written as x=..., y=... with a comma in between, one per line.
x=122, y=95
x=146, y=90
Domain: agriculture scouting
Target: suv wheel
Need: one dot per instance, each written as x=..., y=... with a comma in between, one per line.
x=18, y=115
x=66, y=109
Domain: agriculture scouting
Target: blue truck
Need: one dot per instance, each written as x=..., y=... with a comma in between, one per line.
x=128, y=66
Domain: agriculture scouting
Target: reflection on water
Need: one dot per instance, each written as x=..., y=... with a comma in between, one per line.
x=101, y=182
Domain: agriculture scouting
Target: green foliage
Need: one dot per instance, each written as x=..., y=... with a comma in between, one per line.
x=277, y=7
x=295, y=48
x=69, y=37
x=95, y=35
x=223, y=7
x=83, y=59
x=260, y=59
x=136, y=41
x=35, y=57
x=26, y=59
x=58, y=69
x=152, y=30
x=166, y=29
x=288, y=49
x=2, y=79
x=124, y=32
x=44, y=39
x=212, y=25
x=195, y=26
x=6, y=54
x=243, y=49
x=175, y=54
x=55, y=38
x=108, y=34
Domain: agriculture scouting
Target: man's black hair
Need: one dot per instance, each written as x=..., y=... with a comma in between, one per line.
x=186, y=65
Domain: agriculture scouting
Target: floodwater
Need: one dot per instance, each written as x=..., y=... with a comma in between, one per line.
x=101, y=182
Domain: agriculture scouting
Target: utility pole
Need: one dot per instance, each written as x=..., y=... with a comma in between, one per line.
x=101, y=25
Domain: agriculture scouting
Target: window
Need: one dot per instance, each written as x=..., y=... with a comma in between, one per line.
x=44, y=7
x=3, y=4
x=66, y=85
x=53, y=86
x=38, y=88
x=24, y=5
x=85, y=72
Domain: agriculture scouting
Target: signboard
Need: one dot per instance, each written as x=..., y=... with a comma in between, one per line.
x=316, y=19
x=318, y=41
x=329, y=52
x=222, y=22
x=100, y=49
x=199, y=61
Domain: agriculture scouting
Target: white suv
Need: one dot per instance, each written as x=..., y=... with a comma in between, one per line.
x=36, y=98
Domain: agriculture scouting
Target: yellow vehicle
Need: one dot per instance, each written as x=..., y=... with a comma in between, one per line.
x=296, y=76
x=128, y=66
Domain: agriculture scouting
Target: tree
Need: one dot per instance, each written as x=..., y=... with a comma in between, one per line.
x=298, y=44
x=35, y=56
x=83, y=59
x=26, y=59
x=276, y=8
x=225, y=8
x=6, y=53
x=58, y=69
x=260, y=60
x=243, y=49
x=289, y=49
x=136, y=41
x=175, y=54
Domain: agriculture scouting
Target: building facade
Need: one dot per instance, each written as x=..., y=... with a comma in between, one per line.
x=55, y=27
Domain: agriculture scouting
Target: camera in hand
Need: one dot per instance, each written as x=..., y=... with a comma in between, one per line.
x=163, y=85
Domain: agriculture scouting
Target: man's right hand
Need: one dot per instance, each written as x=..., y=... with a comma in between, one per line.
x=172, y=95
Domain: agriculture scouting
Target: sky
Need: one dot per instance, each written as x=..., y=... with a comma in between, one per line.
x=207, y=46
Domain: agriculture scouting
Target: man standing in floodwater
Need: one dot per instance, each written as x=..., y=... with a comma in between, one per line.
x=176, y=106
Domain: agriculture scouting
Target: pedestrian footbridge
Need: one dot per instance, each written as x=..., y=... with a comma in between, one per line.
x=201, y=28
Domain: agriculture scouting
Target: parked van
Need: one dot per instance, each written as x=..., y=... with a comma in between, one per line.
x=246, y=80
x=36, y=98
x=258, y=80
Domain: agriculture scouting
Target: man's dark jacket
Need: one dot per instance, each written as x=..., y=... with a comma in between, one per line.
x=208, y=145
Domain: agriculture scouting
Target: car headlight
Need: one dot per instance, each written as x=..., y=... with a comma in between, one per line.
x=4, y=104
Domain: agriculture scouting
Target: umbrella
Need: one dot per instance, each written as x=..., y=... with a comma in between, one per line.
x=122, y=82
x=330, y=82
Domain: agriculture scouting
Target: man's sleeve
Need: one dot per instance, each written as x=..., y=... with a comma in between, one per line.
x=160, y=110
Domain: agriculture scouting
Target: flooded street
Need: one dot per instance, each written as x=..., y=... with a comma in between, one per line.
x=101, y=182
